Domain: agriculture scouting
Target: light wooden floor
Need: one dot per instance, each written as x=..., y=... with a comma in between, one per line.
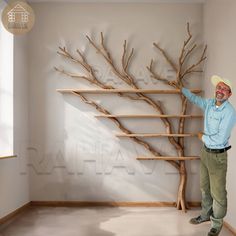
x=105, y=221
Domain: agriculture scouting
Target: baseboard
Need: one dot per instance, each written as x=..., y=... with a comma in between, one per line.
x=108, y=204
x=14, y=213
x=230, y=228
x=194, y=204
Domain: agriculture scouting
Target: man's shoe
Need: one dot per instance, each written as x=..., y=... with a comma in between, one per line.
x=214, y=232
x=198, y=220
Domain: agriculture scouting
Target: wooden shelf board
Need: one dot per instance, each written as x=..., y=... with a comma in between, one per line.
x=156, y=135
x=169, y=158
x=150, y=91
x=149, y=116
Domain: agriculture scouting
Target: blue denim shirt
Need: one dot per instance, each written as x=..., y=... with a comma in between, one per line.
x=218, y=121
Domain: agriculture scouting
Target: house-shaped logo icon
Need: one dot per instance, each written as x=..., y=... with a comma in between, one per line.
x=18, y=17
x=18, y=14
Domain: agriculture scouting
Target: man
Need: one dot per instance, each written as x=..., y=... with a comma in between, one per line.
x=219, y=119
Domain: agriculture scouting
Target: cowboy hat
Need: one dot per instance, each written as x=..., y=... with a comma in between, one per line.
x=215, y=79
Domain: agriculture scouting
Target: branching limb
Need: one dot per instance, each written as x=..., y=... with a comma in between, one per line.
x=125, y=63
x=106, y=55
x=128, y=79
x=192, y=68
x=156, y=76
x=121, y=127
x=183, y=59
x=83, y=63
x=172, y=64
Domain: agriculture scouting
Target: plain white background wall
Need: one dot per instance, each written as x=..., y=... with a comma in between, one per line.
x=220, y=36
x=75, y=156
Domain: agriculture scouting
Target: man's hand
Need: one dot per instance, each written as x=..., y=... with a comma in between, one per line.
x=200, y=134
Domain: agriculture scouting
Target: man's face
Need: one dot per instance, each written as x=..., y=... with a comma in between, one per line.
x=223, y=92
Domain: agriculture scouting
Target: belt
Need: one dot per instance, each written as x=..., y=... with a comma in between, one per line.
x=217, y=150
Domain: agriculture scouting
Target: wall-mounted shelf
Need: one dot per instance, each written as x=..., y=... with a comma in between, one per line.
x=169, y=158
x=149, y=116
x=103, y=91
x=156, y=135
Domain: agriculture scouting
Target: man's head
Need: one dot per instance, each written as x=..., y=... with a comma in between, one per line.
x=222, y=92
x=223, y=88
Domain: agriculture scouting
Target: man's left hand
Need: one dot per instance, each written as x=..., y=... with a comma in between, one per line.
x=200, y=134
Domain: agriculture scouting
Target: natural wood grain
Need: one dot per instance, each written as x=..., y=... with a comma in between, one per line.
x=149, y=116
x=169, y=158
x=147, y=91
x=156, y=135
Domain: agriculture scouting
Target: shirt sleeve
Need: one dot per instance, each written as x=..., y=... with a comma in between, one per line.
x=225, y=128
x=197, y=100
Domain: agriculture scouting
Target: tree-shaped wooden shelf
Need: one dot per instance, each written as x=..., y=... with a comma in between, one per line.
x=182, y=71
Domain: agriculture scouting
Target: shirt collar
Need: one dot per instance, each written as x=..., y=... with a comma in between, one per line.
x=221, y=107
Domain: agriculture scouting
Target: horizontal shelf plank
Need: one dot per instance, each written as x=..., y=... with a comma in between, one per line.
x=156, y=135
x=151, y=91
x=169, y=158
x=149, y=116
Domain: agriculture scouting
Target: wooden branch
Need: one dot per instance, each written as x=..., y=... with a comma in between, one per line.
x=181, y=201
x=183, y=59
x=158, y=77
x=129, y=81
x=125, y=130
x=189, y=35
x=104, y=48
x=129, y=58
x=96, y=82
x=91, y=78
x=166, y=57
x=191, y=68
x=127, y=78
x=106, y=55
x=63, y=52
x=85, y=64
x=125, y=64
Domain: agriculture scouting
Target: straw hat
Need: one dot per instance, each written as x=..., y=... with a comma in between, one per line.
x=215, y=79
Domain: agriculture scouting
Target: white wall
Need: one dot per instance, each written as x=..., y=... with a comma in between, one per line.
x=64, y=131
x=220, y=35
x=14, y=179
